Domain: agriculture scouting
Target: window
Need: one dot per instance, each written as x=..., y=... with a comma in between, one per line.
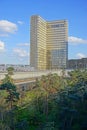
x=57, y=25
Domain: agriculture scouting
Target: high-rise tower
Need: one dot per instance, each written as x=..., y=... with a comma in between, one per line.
x=48, y=43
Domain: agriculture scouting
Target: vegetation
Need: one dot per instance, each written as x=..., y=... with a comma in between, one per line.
x=9, y=95
x=10, y=70
x=55, y=103
x=9, y=86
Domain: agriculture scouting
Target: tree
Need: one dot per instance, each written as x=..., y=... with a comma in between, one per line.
x=47, y=86
x=10, y=70
x=9, y=86
x=72, y=101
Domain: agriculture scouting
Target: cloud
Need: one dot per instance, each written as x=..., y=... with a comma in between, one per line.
x=76, y=40
x=81, y=55
x=23, y=44
x=7, y=27
x=2, y=46
x=20, y=22
x=20, y=52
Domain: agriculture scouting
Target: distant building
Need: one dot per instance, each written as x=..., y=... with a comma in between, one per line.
x=17, y=68
x=77, y=63
x=2, y=68
x=48, y=43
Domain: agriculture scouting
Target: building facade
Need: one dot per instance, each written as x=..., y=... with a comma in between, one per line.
x=77, y=63
x=48, y=43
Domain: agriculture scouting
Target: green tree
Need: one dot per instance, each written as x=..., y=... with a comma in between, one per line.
x=9, y=86
x=10, y=70
x=47, y=86
x=72, y=101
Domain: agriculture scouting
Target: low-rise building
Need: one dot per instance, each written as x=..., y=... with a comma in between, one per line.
x=77, y=63
x=2, y=68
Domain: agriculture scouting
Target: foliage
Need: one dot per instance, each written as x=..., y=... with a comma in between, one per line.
x=9, y=86
x=10, y=70
x=55, y=103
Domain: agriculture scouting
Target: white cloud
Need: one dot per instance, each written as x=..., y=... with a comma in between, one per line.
x=80, y=55
x=7, y=27
x=23, y=44
x=20, y=22
x=76, y=40
x=20, y=52
x=2, y=46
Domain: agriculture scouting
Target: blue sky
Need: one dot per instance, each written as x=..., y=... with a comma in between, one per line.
x=15, y=26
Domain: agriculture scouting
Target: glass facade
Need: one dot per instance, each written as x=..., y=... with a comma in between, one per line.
x=48, y=43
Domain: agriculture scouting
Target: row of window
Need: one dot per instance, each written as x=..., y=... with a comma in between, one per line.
x=57, y=25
